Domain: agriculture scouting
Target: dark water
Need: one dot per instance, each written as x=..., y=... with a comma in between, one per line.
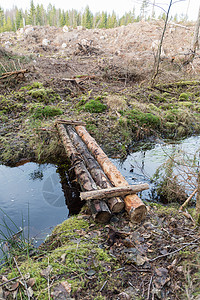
x=140, y=166
x=32, y=196
x=35, y=197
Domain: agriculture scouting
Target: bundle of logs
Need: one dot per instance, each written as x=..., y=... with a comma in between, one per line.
x=103, y=187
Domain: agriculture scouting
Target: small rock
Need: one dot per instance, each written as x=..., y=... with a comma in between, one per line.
x=64, y=45
x=65, y=28
x=45, y=42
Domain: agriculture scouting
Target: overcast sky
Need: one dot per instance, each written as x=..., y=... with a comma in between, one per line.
x=119, y=6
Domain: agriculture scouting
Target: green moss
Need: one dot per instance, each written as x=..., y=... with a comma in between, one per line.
x=81, y=254
x=144, y=118
x=94, y=106
x=186, y=104
x=184, y=96
x=41, y=112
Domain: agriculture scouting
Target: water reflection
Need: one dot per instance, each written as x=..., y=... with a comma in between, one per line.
x=34, y=197
x=140, y=166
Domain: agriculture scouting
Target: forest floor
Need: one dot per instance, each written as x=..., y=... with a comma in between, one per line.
x=102, y=77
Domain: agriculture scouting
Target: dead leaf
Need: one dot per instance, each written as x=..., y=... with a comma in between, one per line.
x=12, y=286
x=63, y=257
x=30, y=292
x=46, y=272
x=31, y=282
x=4, y=279
x=67, y=286
x=140, y=260
x=162, y=277
x=60, y=292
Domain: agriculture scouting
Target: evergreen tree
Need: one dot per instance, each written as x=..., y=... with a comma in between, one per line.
x=1, y=19
x=32, y=14
x=87, y=19
x=103, y=20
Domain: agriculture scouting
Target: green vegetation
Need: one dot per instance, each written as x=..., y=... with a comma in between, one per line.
x=11, y=20
x=40, y=112
x=94, y=106
x=75, y=255
x=184, y=96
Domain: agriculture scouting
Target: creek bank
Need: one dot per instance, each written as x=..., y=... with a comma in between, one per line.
x=92, y=261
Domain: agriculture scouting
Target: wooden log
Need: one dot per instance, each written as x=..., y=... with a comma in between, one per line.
x=99, y=208
x=133, y=204
x=115, y=204
x=114, y=192
x=70, y=122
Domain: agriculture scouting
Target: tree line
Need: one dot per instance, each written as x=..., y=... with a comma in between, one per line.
x=13, y=19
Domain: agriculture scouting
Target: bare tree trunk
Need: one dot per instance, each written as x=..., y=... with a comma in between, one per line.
x=157, y=61
x=195, y=44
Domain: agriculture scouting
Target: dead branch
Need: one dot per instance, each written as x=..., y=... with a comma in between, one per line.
x=113, y=192
x=175, y=251
x=8, y=74
x=188, y=199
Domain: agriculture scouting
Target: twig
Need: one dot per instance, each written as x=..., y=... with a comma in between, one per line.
x=9, y=280
x=3, y=66
x=149, y=288
x=103, y=286
x=8, y=74
x=175, y=251
x=25, y=285
x=188, y=199
x=49, y=296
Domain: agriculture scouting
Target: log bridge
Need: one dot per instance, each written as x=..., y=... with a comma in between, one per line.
x=103, y=186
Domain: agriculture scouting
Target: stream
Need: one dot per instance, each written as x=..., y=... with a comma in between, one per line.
x=33, y=198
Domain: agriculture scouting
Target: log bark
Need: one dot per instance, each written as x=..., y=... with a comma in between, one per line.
x=99, y=208
x=115, y=204
x=133, y=204
x=114, y=191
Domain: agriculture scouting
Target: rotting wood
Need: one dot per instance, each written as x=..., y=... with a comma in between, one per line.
x=133, y=204
x=113, y=192
x=115, y=204
x=99, y=208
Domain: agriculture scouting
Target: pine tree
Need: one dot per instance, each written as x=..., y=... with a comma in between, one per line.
x=1, y=19
x=103, y=20
x=87, y=18
x=32, y=14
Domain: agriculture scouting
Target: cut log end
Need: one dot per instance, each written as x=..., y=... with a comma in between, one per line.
x=138, y=214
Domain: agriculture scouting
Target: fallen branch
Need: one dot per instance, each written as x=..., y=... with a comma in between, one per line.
x=1, y=284
x=188, y=199
x=8, y=74
x=175, y=251
x=113, y=192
